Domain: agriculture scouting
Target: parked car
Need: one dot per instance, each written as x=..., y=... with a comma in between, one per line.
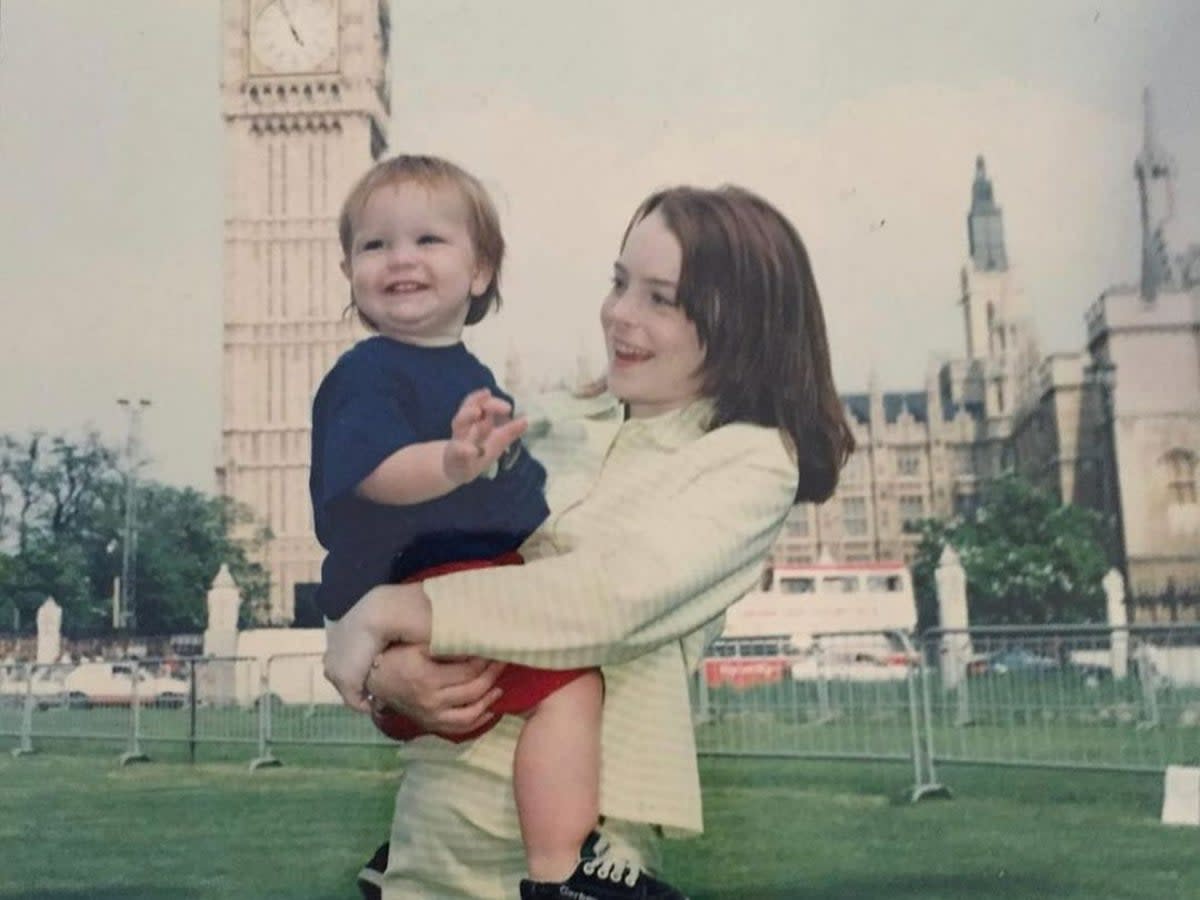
x=841, y=665
x=47, y=687
x=1021, y=660
x=856, y=657
x=112, y=684
x=1012, y=659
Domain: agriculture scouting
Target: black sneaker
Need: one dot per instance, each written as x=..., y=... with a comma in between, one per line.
x=370, y=878
x=602, y=878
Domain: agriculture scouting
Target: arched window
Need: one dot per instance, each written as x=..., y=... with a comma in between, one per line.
x=1180, y=466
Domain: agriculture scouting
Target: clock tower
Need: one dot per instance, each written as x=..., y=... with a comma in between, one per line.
x=305, y=103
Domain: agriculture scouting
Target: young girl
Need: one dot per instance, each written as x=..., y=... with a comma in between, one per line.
x=727, y=415
x=417, y=469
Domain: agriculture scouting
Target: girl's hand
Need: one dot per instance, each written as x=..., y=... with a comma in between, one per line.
x=350, y=648
x=480, y=432
x=445, y=696
x=384, y=615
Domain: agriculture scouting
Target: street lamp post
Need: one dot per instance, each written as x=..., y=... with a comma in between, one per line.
x=127, y=617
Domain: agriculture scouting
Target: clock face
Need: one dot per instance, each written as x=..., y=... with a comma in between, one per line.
x=294, y=37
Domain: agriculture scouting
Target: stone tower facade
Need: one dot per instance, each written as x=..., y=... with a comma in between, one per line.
x=1116, y=426
x=305, y=102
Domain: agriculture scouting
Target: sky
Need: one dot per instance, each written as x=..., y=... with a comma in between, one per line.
x=860, y=120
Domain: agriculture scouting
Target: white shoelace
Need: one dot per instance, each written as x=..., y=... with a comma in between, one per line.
x=613, y=869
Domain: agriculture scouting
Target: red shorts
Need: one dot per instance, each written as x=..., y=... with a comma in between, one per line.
x=522, y=687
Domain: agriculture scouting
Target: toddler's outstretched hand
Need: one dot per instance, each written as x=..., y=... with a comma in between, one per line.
x=481, y=431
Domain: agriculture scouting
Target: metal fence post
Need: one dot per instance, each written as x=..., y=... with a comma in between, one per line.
x=311, y=710
x=1147, y=676
x=824, y=704
x=956, y=650
x=134, y=753
x=962, y=705
x=925, y=784
x=698, y=692
x=265, y=758
x=192, y=709
x=702, y=698
x=25, y=747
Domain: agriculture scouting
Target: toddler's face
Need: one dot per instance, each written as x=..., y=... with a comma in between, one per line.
x=412, y=264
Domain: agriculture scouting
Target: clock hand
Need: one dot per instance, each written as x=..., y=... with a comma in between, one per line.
x=288, y=18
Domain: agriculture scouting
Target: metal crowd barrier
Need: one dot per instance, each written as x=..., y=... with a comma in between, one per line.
x=1084, y=697
x=855, y=695
x=194, y=702
x=1080, y=697
x=302, y=708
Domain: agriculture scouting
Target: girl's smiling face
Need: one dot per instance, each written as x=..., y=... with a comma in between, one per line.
x=655, y=359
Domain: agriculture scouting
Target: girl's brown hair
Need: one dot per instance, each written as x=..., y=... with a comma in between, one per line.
x=746, y=283
x=434, y=173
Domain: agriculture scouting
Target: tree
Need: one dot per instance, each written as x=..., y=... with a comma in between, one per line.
x=62, y=526
x=1028, y=559
x=183, y=537
x=59, y=502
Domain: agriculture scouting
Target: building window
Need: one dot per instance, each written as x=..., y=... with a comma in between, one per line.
x=908, y=463
x=964, y=504
x=884, y=584
x=800, y=585
x=797, y=523
x=1181, y=477
x=912, y=510
x=854, y=468
x=840, y=584
x=854, y=515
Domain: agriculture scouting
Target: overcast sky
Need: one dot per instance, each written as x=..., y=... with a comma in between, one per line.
x=861, y=120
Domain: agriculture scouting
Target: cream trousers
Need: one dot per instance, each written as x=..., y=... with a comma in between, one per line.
x=455, y=836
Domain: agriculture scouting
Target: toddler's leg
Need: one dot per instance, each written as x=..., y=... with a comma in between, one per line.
x=556, y=776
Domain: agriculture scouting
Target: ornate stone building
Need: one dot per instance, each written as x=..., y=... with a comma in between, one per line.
x=305, y=102
x=922, y=454
x=1115, y=427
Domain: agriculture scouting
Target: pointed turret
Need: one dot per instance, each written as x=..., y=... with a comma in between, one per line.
x=985, y=224
x=875, y=398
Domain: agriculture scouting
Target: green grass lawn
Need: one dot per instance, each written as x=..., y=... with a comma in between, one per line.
x=79, y=826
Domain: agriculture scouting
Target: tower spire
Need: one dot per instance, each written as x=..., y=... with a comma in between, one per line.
x=985, y=224
x=1155, y=174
